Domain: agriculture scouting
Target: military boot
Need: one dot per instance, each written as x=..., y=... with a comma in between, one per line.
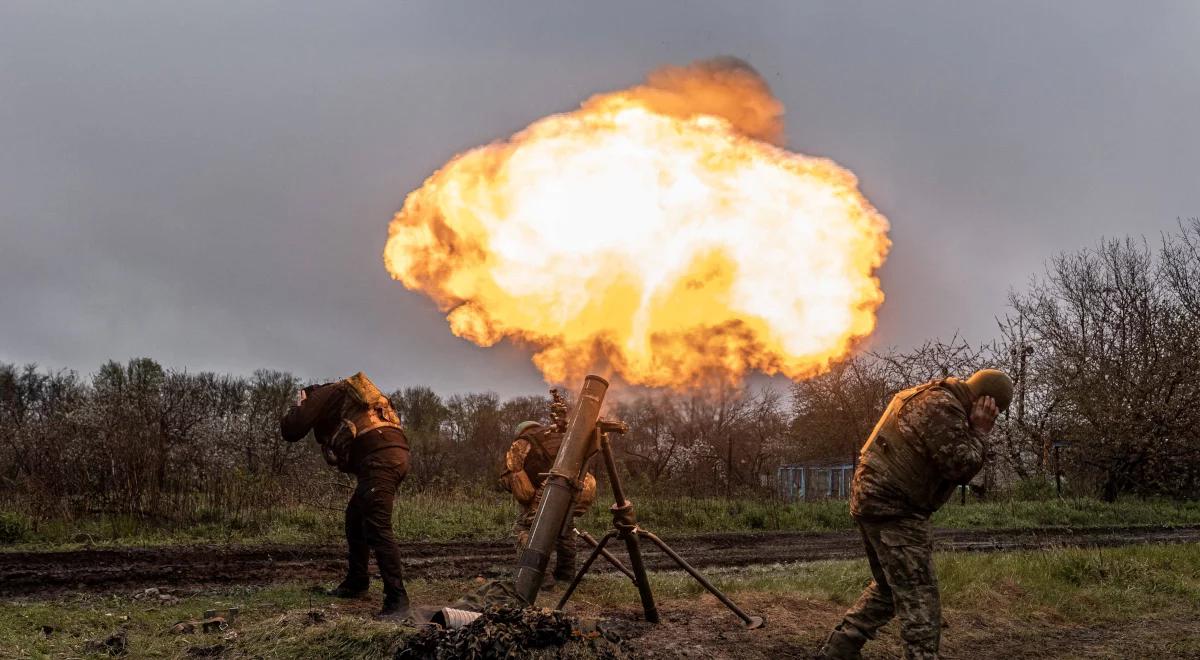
x=564, y=559
x=844, y=643
x=349, y=588
x=564, y=572
x=396, y=607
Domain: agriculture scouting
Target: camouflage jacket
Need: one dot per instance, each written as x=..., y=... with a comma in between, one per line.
x=528, y=460
x=921, y=449
x=516, y=478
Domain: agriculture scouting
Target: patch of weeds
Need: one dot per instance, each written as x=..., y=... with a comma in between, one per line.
x=754, y=520
x=14, y=527
x=320, y=634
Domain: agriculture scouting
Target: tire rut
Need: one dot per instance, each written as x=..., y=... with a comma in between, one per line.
x=55, y=573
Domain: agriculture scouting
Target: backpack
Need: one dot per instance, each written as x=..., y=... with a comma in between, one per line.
x=364, y=408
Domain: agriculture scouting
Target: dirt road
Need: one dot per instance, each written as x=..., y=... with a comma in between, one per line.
x=53, y=573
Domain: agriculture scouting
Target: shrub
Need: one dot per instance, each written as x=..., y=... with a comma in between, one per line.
x=1032, y=489
x=14, y=527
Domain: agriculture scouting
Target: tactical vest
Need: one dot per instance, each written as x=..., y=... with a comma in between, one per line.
x=896, y=454
x=364, y=408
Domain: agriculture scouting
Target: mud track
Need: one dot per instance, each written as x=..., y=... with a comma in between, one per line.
x=53, y=573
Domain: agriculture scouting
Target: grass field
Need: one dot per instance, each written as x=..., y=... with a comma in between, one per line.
x=1138, y=601
x=490, y=516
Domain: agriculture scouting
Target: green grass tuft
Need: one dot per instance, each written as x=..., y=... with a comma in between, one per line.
x=14, y=527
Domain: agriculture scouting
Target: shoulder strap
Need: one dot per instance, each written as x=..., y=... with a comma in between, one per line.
x=886, y=424
x=909, y=394
x=535, y=442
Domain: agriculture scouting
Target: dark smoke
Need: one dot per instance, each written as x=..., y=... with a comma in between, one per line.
x=725, y=87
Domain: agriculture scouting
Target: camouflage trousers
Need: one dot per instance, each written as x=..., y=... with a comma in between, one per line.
x=900, y=553
x=565, y=548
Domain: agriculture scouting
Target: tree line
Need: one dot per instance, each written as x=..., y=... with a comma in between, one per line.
x=1104, y=348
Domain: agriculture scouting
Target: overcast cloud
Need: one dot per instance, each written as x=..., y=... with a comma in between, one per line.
x=209, y=184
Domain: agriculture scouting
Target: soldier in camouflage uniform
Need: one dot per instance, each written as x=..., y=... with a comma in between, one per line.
x=928, y=442
x=529, y=458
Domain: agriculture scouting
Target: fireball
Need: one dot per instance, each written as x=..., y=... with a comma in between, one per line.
x=660, y=234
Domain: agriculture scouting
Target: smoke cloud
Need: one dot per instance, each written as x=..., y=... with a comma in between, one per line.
x=725, y=87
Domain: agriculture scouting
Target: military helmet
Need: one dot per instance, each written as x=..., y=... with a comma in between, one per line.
x=993, y=383
x=525, y=426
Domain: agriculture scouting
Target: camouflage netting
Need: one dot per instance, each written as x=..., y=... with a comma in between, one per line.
x=493, y=593
x=509, y=632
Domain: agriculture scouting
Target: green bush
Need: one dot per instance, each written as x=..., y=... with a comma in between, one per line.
x=1031, y=489
x=14, y=527
x=754, y=520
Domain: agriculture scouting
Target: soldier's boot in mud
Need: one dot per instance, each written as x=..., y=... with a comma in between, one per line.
x=563, y=575
x=844, y=643
x=564, y=558
x=396, y=607
x=350, y=588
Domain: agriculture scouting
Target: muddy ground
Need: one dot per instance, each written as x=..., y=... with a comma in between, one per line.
x=797, y=626
x=700, y=627
x=54, y=573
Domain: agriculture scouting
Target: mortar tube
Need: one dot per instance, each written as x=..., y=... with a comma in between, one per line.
x=559, y=489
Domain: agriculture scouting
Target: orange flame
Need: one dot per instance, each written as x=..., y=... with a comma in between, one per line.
x=656, y=233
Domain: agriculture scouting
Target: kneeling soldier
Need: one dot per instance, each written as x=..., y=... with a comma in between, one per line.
x=529, y=458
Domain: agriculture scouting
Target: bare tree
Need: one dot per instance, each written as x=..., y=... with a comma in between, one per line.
x=834, y=413
x=1118, y=347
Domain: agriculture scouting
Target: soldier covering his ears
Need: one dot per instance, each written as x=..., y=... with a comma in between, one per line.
x=360, y=433
x=928, y=441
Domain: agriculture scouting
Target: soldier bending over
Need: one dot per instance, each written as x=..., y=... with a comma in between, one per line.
x=360, y=433
x=929, y=440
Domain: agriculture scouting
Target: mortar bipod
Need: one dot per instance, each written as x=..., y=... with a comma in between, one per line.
x=625, y=526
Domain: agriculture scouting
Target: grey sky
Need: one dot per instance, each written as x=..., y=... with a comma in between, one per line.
x=209, y=184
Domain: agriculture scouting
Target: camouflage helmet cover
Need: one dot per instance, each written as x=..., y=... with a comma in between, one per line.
x=525, y=426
